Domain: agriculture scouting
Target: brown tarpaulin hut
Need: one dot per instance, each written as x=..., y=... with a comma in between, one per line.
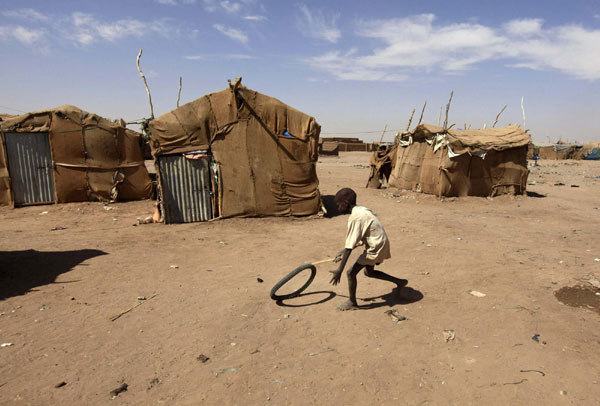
x=66, y=154
x=260, y=157
x=451, y=162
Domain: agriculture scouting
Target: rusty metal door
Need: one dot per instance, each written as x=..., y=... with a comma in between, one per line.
x=186, y=188
x=30, y=168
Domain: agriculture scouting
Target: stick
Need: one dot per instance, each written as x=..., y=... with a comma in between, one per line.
x=498, y=116
x=422, y=111
x=523, y=109
x=179, y=94
x=448, y=109
x=410, y=120
x=323, y=261
x=533, y=370
x=382, y=134
x=440, y=116
x=145, y=84
x=115, y=317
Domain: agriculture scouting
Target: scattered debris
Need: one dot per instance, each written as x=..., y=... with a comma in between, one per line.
x=145, y=220
x=277, y=381
x=449, y=335
x=312, y=354
x=563, y=392
x=536, y=338
x=286, y=316
x=597, y=259
x=43, y=213
x=559, y=184
x=394, y=315
x=233, y=344
x=574, y=185
x=115, y=317
x=533, y=370
x=515, y=383
x=115, y=392
x=6, y=345
x=230, y=369
x=256, y=351
x=60, y=384
x=223, y=243
x=428, y=245
x=57, y=228
x=209, y=270
x=477, y=293
x=153, y=383
x=259, y=280
x=174, y=266
x=202, y=358
x=141, y=298
x=424, y=273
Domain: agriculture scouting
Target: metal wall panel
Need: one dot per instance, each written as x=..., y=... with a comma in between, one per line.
x=30, y=167
x=186, y=189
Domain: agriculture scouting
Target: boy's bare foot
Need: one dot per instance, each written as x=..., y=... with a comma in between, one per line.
x=401, y=283
x=347, y=305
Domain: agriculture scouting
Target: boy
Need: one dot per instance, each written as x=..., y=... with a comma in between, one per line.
x=363, y=228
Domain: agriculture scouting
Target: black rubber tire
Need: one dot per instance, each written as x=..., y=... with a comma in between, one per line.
x=288, y=277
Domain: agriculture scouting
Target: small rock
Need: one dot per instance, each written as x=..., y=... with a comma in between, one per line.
x=60, y=384
x=476, y=293
x=449, y=335
x=174, y=266
x=259, y=280
x=202, y=358
x=115, y=392
x=43, y=213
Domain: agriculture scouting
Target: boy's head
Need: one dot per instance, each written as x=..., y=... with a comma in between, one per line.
x=345, y=200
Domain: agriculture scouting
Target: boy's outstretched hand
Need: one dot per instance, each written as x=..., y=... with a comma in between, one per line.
x=337, y=275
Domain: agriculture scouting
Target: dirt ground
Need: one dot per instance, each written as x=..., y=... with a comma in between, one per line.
x=516, y=345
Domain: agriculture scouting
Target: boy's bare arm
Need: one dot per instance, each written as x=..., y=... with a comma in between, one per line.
x=343, y=258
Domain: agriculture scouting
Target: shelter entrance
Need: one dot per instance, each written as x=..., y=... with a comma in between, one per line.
x=30, y=168
x=187, y=186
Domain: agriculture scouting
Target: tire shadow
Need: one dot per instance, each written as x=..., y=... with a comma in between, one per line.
x=330, y=295
x=22, y=271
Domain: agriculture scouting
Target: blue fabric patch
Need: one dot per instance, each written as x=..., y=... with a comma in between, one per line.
x=287, y=134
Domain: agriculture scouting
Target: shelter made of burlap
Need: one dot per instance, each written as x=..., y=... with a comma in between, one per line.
x=448, y=162
x=265, y=150
x=93, y=158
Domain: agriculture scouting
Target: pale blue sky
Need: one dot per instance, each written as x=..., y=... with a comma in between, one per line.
x=354, y=65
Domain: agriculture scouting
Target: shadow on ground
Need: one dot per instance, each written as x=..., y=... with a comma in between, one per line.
x=408, y=296
x=534, y=194
x=22, y=271
x=290, y=302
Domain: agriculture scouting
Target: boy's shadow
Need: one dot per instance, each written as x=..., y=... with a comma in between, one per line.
x=408, y=296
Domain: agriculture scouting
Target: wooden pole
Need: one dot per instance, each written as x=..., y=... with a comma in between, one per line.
x=145, y=84
x=179, y=93
x=410, y=120
x=382, y=134
x=498, y=116
x=448, y=109
x=422, y=111
x=523, y=109
x=440, y=116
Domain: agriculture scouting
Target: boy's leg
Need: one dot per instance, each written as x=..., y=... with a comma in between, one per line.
x=372, y=273
x=351, y=303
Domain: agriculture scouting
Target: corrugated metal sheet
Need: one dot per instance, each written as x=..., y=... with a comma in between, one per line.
x=30, y=167
x=186, y=189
